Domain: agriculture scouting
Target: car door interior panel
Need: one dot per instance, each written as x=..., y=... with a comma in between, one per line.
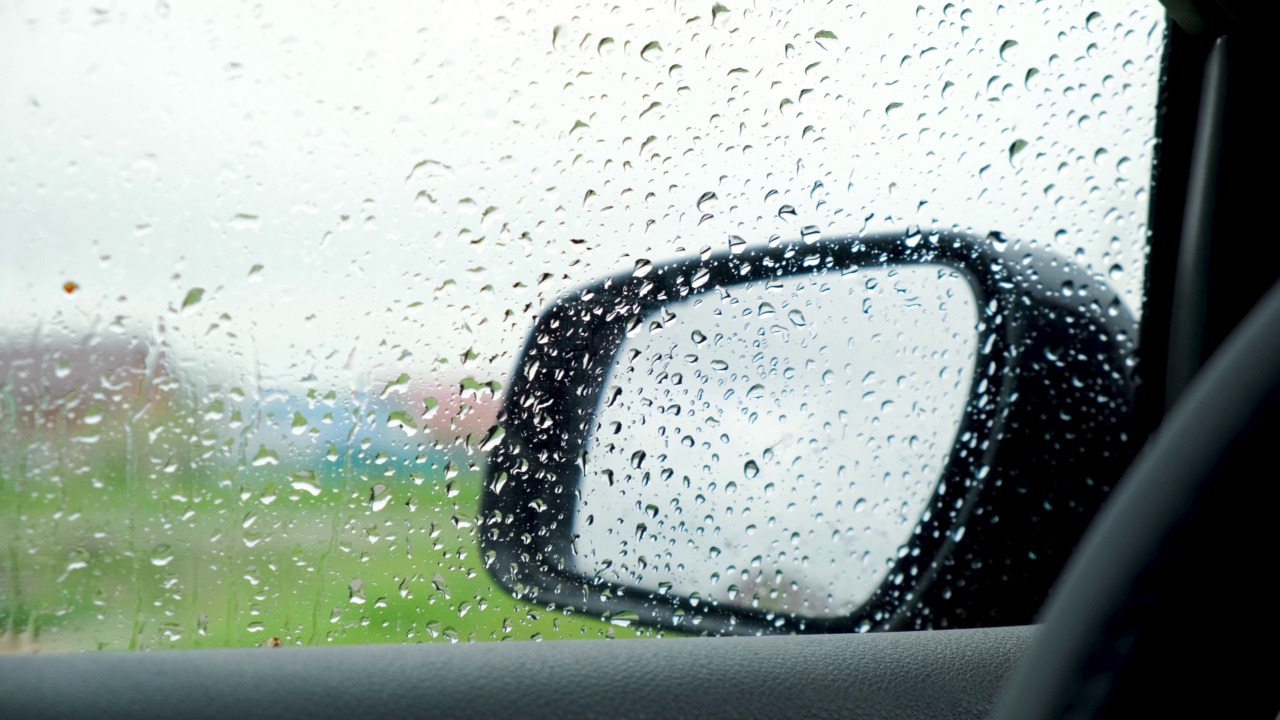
x=951, y=674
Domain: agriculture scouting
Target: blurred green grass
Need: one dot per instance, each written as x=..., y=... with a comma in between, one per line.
x=118, y=551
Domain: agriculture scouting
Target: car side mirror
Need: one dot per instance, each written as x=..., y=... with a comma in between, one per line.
x=852, y=434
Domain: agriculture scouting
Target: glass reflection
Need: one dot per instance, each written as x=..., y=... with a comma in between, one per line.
x=773, y=445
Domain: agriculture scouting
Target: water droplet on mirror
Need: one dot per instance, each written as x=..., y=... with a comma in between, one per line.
x=93, y=415
x=379, y=496
x=624, y=618
x=717, y=10
x=161, y=555
x=1016, y=147
x=265, y=457
x=651, y=52
x=306, y=483
x=750, y=470
x=355, y=591
x=438, y=582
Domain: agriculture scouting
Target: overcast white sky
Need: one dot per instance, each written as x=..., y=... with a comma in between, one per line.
x=406, y=175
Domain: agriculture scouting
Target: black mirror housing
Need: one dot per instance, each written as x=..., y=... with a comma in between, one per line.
x=1045, y=432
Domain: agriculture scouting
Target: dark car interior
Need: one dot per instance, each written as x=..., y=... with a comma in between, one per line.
x=1161, y=608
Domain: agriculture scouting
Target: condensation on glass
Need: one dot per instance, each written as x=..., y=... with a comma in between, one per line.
x=266, y=267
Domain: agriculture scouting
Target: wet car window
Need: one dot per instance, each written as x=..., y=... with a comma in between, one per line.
x=269, y=266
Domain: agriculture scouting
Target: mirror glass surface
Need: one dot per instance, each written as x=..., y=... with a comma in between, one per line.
x=773, y=444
